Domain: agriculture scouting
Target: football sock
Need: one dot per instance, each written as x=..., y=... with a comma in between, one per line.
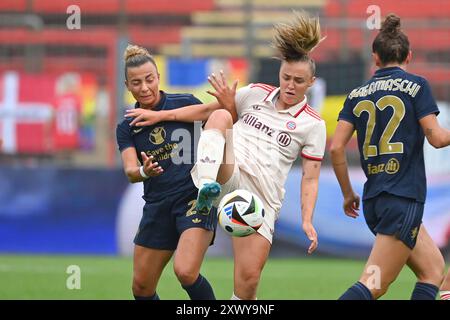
x=445, y=295
x=200, y=289
x=235, y=297
x=210, y=155
x=357, y=292
x=424, y=291
x=153, y=297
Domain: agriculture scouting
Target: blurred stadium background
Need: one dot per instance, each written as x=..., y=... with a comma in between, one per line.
x=63, y=194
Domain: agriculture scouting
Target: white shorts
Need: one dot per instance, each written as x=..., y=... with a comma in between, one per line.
x=240, y=180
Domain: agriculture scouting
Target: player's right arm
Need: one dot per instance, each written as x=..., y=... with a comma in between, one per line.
x=342, y=135
x=191, y=113
x=131, y=165
x=437, y=136
x=224, y=94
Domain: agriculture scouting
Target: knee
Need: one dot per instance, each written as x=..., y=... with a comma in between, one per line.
x=378, y=288
x=379, y=292
x=249, y=278
x=433, y=274
x=186, y=276
x=141, y=288
x=220, y=118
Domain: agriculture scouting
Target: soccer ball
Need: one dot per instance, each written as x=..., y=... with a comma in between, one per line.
x=241, y=213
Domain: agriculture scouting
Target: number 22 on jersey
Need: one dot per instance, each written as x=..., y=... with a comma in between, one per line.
x=385, y=145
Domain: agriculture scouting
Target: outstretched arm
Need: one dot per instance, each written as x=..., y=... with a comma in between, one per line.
x=224, y=94
x=199, y=112
x=196, y=112
x=342, y=135
x=309, y=190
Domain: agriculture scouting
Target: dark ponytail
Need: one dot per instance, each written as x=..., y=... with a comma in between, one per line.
x=391, y=44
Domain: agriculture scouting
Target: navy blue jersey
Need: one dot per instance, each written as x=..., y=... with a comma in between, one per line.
x=385, y=113
x=170, y=143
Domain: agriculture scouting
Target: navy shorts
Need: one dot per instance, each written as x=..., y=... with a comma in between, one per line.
x=164, y=220
x=394, y=215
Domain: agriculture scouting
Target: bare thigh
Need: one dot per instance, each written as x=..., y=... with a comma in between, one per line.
x=148, y=265
x=426, y=261
x=250, y=256
x=190, y=252
x=386, y=260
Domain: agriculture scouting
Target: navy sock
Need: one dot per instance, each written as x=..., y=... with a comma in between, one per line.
x=357, y=292
x=200, y=289
x=153, y=297
x=424, y=291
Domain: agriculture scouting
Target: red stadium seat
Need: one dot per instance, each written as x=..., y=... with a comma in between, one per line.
x=403, y=8
x=13, y=5
x=114, y=6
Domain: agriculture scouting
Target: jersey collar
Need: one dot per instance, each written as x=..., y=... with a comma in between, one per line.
x=160, y=104
x=294, y=110
x=387, y=71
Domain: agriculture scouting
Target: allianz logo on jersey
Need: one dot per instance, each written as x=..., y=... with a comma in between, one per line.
x=390, y=167
x=283, y=138
x=254, y=122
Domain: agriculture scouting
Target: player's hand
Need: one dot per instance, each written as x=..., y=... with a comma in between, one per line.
x=223, y=93
x=351, y=205
x=311, y=233
x=143, y=117
x=152, y=169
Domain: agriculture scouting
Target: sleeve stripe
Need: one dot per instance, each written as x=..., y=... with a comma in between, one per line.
x=263, y=85
x=313, y=114
x=311, y=157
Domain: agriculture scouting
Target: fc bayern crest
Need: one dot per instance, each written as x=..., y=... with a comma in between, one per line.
x=291, y=125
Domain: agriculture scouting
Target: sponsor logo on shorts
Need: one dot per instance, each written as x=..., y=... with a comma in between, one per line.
x=196, y=220
x=414, y=233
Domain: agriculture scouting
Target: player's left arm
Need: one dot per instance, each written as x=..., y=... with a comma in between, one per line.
x=309, y=191
x=437, y=136
x=342, y=135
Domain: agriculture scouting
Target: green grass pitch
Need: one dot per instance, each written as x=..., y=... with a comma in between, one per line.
x=45, y=277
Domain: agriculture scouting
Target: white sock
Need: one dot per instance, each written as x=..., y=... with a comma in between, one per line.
x=210, y=155
x=445, y=295
x=235, y=297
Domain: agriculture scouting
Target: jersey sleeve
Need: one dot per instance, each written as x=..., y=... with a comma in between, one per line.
x=123, y=137
x=347, y=112
x=194, y=100
x=240, y=99
x=314, y=146
x=424, y=102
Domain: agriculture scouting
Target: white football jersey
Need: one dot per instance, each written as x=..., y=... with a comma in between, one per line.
x=267, y=141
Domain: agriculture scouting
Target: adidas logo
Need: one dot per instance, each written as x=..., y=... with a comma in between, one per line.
x=196, y=220
x=207, y=160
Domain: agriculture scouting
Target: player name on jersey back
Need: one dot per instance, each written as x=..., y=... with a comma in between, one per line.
x=398, y=84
